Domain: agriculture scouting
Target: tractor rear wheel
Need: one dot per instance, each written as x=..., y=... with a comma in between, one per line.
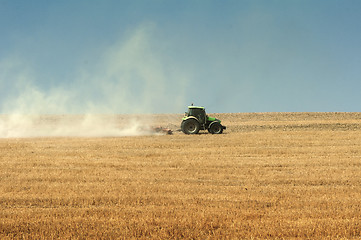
x=190, y=126
x=215, y=128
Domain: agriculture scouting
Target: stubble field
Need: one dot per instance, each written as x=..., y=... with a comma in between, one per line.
x=270, y=175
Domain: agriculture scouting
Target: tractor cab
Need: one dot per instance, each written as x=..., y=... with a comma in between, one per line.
x=197, y=112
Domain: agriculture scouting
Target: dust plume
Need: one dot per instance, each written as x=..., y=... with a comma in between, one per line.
x=131, y=76
x=24, y=126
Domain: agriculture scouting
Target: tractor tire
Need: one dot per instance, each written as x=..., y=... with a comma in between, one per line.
x=190, y=126
x=215, y=128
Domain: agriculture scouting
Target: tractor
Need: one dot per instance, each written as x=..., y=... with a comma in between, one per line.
x=196, y=119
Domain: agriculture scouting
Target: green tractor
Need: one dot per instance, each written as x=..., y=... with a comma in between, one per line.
x=196, y=119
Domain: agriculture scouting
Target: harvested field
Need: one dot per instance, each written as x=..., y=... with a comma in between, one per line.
x=270, y=175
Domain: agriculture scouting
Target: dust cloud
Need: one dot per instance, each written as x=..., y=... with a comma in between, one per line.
x=23, y=126
x=130, y=76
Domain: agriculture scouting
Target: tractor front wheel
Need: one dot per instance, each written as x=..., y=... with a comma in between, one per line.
x=190, y=126
x=215, y=128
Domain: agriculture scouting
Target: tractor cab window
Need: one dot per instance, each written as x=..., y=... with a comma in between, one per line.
x=199, y=113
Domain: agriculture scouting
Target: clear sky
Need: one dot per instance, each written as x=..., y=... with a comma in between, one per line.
x=158, y=56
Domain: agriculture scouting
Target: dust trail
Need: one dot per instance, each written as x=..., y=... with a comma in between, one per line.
x=25, y=126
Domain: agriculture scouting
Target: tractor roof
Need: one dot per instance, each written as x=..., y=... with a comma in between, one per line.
x=196, y=107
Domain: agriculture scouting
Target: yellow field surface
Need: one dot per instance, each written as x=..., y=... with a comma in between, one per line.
x=270, y=175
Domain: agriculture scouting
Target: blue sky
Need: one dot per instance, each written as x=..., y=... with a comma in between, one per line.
x=158, y=56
